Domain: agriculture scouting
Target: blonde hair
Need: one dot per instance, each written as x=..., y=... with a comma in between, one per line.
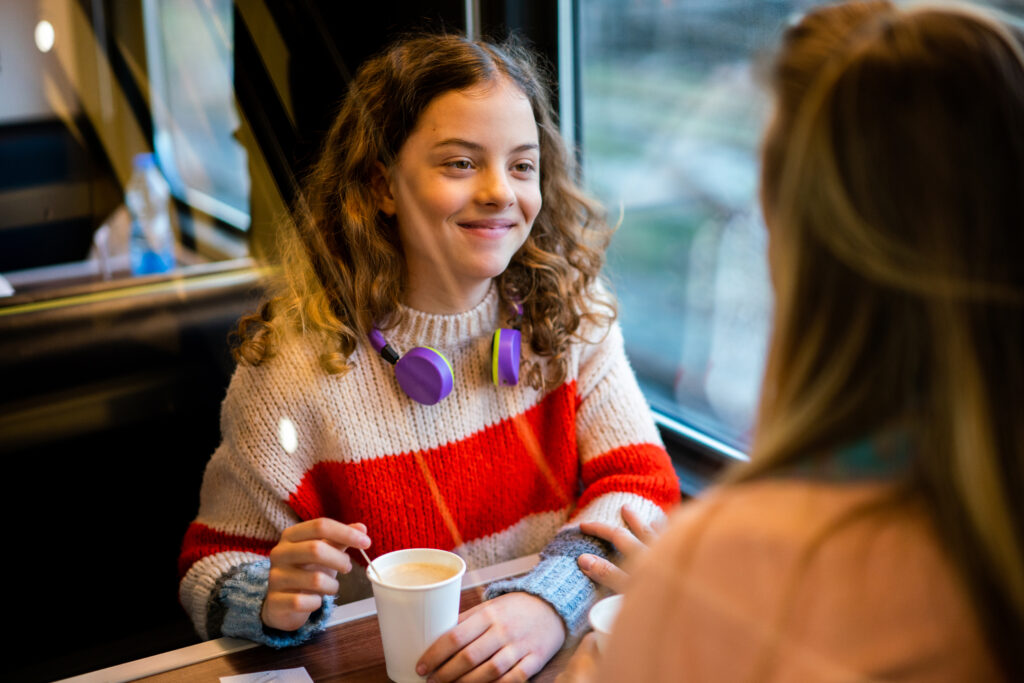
x=893, y=187
x=343, y=267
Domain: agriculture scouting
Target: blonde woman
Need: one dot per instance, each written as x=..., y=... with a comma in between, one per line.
x=878, y=531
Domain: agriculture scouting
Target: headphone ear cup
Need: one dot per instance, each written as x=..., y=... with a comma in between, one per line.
x=505, y=350
x=425, y=375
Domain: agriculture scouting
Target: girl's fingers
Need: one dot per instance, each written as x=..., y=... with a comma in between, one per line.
x=625, y=540
x=643, y=531
x=289, y=611
x=291, y=579
x=524, y=670
x=330, y=530
x=491, y=667
x=315, y=552
x=599, y=529
x=472, y=610
x=603, y=572
x=466, y=632
x=626, y=543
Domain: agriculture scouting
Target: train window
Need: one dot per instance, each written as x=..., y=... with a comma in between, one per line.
x=670, y=114
x=670, y=119
x=189, y=46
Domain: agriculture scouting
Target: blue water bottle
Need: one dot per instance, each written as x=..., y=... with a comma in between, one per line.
x=147, y=196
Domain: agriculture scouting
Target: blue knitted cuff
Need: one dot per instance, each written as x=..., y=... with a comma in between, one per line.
x=557, y=578
x=242, y=597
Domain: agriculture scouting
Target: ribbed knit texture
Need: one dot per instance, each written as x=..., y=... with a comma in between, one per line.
x=241, y=599
x=558, y=579
x=491, y=473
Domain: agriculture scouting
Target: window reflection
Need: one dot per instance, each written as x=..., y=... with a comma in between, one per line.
x=88, y=86
x=190, y=43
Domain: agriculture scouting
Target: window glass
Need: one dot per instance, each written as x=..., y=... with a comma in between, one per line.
x=671, y=115
x=189, y=47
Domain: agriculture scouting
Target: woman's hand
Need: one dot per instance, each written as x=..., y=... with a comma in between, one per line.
x=509, y=638
x=582, y=667
x=631, y=542
x=304, y=566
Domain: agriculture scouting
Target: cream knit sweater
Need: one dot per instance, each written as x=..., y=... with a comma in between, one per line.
x=491, y=473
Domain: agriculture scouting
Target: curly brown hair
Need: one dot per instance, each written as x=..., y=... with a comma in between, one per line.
x=343, y=270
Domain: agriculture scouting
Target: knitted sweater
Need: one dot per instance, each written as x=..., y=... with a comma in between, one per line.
x=491, y=473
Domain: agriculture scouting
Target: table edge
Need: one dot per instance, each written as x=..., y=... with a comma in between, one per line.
x=211, y=649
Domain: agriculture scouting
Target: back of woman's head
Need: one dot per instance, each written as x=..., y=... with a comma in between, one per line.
x=345, y=269
x=893, y=187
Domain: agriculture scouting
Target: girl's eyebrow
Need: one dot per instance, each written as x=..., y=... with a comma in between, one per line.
x=476, y=147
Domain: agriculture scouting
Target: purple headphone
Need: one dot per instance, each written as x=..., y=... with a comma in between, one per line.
x=425, y=375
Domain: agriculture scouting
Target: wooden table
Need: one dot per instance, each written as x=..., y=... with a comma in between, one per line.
x=349, y=650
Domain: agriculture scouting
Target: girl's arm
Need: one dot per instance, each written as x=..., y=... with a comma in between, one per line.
x=268, y=432
x=623, y=462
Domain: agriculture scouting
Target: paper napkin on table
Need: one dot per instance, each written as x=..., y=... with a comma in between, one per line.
x=299, y=675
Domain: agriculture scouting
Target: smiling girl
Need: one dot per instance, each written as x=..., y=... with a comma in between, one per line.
x=378, y=393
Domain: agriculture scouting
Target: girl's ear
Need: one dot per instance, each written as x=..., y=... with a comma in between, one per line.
x=381, y=186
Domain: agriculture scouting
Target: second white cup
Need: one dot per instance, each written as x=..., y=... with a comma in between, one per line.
x=602, y=618
x=418, y=602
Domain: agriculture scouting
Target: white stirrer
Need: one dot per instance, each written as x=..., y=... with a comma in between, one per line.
x=370, y=564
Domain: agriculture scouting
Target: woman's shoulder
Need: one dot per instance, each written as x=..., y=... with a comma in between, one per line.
x=789, y=507
x=851, y=575
x=767, y=521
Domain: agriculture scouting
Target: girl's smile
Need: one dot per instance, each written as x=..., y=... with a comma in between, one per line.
x=465, y=191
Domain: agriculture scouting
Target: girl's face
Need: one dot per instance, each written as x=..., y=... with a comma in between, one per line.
x=465, y=191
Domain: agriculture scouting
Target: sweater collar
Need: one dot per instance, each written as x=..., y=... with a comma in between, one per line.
x=429, y=329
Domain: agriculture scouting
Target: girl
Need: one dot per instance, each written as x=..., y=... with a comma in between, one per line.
x=378, y=392
x=878, y=531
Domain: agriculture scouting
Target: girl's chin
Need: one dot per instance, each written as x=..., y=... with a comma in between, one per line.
x=487, y=271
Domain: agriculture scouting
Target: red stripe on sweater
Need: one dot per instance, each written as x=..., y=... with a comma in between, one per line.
x=438, y=497
x=643, y=469
x=448, y=495
x=202, y=541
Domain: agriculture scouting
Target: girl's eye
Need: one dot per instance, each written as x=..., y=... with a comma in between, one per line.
x=523, y=167
x=460, y=164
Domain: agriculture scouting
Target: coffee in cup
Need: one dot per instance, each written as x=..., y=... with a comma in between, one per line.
x=417, y=573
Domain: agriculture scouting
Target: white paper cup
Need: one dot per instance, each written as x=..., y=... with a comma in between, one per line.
x=412, y=617
x=602, y=618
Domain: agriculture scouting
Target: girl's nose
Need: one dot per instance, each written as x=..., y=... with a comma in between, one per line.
x=495, y=190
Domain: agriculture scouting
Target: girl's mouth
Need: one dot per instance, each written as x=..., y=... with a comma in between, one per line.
x=488, y=224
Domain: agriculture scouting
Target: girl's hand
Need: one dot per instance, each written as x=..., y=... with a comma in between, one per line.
x=582, y=667
x=509, y=638
x=630, y=542
x=304, y=566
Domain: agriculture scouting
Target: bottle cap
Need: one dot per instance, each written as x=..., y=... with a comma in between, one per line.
x=143, y=160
